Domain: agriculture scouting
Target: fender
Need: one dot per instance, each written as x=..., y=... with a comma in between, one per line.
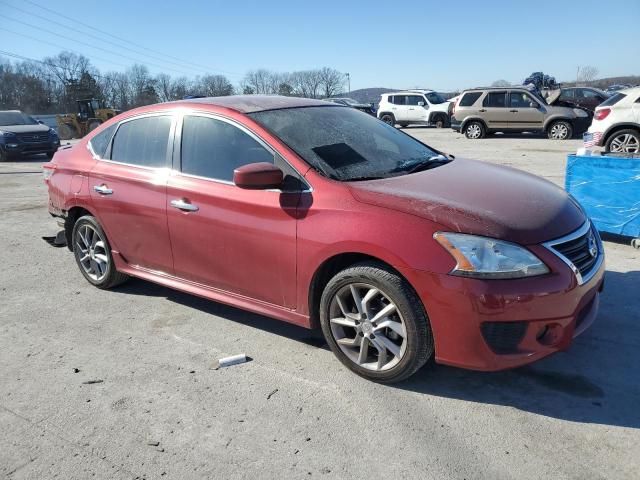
x=555, y=118
x=464, y=122
x=618, y=126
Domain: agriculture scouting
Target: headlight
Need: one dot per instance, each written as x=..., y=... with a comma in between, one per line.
x=483, y=257
x=7, y=134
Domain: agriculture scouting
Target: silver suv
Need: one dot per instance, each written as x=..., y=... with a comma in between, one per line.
x=481, y=111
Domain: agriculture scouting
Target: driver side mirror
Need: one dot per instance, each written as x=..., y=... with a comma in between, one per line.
x=258, y=176
x=421, y=104
x=40, y=122
x=533, y=104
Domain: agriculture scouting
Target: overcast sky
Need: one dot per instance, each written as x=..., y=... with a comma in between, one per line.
x=440, y=45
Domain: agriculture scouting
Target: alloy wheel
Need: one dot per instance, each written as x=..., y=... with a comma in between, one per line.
x=625, y=143
x=92, y=252
x=474, y=131
x=368, y=327
x=559, y=131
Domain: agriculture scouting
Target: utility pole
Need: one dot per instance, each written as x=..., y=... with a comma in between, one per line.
x=348, y=81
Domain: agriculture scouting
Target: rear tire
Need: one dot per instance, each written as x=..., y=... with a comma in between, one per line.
x=92, y=252
x=389, y=119
x=474, y=130
x=383, y=347
x=560, y=130
x=624, y=141
x=4, y=156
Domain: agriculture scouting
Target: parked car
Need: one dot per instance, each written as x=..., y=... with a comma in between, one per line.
x=616, y=122
x=350, y=102
x=22, y=135
x=397, y=251
x=514, y=109
x=584, y=97
x=615, y=88
x=414, y=107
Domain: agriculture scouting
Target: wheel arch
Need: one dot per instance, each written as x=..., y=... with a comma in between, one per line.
x=73, y=214
x=466, y=121
x=382, y=114
x=326, y=271
x=550, y=121
x=616, y=128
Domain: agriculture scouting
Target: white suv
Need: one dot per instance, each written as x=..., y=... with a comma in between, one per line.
x=616, y=122
x=422, y=107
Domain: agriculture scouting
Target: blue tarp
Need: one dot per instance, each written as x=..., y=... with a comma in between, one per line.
x=608, y=188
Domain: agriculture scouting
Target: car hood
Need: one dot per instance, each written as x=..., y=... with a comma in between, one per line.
x=24, y=128
x=479, y=198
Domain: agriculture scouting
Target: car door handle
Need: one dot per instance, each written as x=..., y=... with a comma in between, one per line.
x=103, y=189
x=482, y=110
x=514, y=111
x=184, y=206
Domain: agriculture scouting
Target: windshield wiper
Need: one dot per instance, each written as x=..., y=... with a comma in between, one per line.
x=363, y=178
x=431, y=162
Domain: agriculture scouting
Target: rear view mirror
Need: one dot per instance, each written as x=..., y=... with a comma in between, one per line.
x=258, y=176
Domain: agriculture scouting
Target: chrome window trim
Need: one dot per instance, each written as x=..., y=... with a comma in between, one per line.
x=583, y=230
x=177, y=169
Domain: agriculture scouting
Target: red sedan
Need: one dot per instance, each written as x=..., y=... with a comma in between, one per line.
x=321, y=215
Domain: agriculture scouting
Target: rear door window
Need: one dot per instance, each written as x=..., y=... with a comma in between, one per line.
x=495, y=99
x=399, y=99
x=469, y=99
x=100, y=142
x=143, y=141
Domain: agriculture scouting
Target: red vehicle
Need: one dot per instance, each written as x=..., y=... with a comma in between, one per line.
x=320, y=215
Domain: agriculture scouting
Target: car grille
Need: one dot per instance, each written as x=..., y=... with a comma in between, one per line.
x=503, y=337
x=33, y=137
x=581, y=250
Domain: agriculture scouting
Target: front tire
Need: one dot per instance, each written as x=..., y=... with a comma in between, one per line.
x=375, y=323
x=92, y=125
x=440, y=121
x=560, y=130
x=66, y=132
x=92, y=252
x=474, y=130
x=624, y=141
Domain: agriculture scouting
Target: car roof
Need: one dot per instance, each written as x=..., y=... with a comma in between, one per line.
x=408, y=92
x=258, y=103
x=511, y=87
x=10, y=111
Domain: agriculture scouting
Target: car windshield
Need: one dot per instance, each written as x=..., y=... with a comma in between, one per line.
x=15, y=118
x=435, y=98
x=346, y=144
x=350, y=101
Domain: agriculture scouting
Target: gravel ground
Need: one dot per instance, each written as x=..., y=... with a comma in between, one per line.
x=159, y=411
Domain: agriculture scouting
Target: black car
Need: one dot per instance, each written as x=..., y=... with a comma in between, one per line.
x=22, y=135
x=583, y=97
x=350, y=102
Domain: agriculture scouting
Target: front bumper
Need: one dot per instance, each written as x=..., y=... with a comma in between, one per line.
x=456, y=124
x=17, y=148
x=470, y=317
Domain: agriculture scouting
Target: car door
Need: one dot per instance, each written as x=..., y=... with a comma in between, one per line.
x=224, y=237
x=400, y=108
x=415, y=111
x=494, y=110
x=128, y=191
x=526, y=112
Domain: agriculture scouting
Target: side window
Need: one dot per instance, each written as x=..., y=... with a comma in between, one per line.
x=142, y=141
x=214, y=149
x=520, y=100
x=100, y=142
x=495, y=99
x=469, y=99
x=567, y=94
x=414, y=99
x=590, y=94
x=400, y=99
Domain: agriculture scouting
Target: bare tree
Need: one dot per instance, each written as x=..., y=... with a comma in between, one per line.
x=586, y=74
x=332, y=81
x=214, y=86
x=501, y=83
